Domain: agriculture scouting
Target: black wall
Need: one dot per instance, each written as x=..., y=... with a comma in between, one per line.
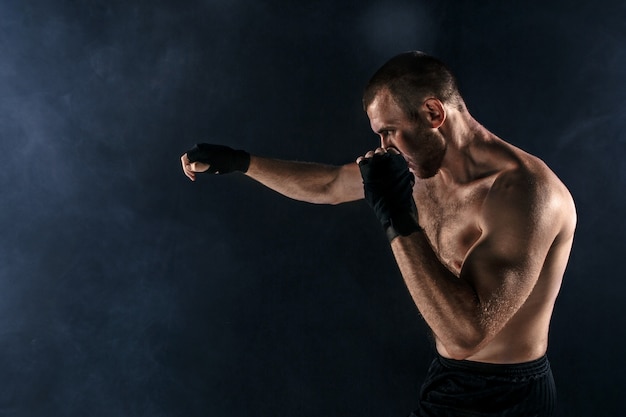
x=127, y=290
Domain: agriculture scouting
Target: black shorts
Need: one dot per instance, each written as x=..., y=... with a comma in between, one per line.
x=475, y=389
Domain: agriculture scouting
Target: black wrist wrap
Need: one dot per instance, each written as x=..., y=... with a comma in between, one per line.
x=221, y=159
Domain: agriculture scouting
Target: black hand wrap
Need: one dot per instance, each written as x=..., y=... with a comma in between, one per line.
x=388, y=188
x=221, y=159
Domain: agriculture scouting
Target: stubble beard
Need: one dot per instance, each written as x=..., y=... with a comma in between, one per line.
x=429, y=159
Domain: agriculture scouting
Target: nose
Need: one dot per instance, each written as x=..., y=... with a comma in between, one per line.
x=385, y=142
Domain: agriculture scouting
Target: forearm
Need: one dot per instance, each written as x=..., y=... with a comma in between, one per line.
x=310, y=182
x=449, y=304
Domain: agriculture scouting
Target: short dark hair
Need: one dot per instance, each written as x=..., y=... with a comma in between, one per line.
x=412, y=77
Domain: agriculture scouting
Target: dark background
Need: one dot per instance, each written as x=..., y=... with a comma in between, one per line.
x=127, y=290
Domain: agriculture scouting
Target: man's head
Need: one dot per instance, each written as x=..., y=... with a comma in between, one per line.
x=411, y=78
x=408, y=100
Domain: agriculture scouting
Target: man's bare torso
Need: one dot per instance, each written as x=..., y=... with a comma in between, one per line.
x=451, y=216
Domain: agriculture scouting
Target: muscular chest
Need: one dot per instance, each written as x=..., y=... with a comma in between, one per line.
x=450, y=218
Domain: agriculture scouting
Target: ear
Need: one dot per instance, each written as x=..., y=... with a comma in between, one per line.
x=434, y=112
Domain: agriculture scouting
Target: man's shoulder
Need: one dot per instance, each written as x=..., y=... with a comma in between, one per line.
x=529, y=188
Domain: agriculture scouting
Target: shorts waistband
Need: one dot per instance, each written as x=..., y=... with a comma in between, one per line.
x=536, y=368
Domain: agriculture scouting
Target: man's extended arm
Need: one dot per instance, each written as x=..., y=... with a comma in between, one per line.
x=311, y=182
x=303, y=181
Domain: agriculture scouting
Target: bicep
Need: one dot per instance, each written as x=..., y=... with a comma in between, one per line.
x=503, y=266
x=502, y=277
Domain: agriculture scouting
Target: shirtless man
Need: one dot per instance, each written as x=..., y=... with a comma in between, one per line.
x=480, y=229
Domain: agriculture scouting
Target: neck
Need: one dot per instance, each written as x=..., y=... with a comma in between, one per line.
x=464, y=136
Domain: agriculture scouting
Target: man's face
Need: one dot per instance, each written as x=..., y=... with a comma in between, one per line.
x=422, y=147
